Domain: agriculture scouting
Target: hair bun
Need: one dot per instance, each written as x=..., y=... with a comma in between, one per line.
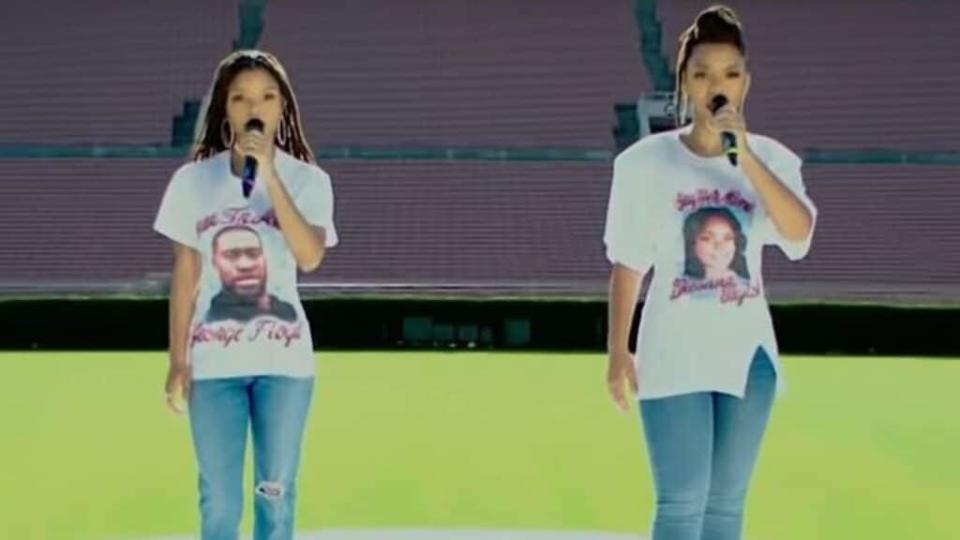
x=717, y=18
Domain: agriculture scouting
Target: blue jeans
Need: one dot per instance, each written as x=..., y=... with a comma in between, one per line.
x=703, y=447
x=220, y=412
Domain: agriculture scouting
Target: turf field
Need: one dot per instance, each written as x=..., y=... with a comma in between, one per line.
x=858, y=448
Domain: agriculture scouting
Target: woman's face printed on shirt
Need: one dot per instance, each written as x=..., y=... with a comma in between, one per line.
x=240, y=262
x=715, y=247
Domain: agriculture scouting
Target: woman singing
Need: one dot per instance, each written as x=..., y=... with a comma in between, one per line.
x=706, y=368
x=250, y=210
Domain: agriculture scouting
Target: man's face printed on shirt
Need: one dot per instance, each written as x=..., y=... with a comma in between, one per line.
x=238, y=258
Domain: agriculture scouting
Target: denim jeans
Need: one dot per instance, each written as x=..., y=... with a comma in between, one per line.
x=703, y=447
x=275, y=409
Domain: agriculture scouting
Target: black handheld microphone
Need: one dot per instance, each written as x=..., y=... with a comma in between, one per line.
x=249, y=162
x=729, y=139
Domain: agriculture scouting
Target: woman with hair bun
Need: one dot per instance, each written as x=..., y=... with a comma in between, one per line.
x=697, y=204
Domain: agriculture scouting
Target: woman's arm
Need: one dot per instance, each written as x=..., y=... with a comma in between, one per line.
x=305, y=241
x=787, y=212
x=183, y=294
x=791, y=217
x=624, y=290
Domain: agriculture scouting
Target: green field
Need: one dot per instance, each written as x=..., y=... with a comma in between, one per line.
x=859, y=448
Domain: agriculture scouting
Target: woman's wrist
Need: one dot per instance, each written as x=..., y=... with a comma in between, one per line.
x=269, y=174
x=178, y=360
x=618, y=348
x=748, y=158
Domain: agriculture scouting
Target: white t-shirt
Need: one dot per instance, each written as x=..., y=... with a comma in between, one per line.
x=700, y=225
x=248, y=319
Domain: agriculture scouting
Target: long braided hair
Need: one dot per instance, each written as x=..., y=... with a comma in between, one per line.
x=209, y=137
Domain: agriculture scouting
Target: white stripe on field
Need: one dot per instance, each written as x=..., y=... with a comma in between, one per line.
x=442, y=534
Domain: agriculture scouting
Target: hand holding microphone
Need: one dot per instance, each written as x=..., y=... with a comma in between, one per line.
x=256, y=149
x=728, y=121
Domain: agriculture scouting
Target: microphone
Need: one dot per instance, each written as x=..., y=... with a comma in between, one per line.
x=249, y=162
x=729, y=139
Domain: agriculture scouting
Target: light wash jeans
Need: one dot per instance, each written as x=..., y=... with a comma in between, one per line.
x=221, y=410
x=703, y=447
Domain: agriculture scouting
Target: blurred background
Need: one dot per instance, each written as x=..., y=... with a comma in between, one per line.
x=461, y=323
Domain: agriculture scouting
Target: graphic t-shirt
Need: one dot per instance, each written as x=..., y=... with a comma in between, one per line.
x=701, y=226
x=248, y=319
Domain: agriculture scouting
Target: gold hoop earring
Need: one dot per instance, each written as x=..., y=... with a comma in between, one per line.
x=223, y=138
x=282, y=135
x=685, y=111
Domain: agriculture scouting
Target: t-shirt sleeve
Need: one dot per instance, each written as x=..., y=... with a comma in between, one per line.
x=629, y=232
x=315, y=203
x=787, y=166
x=176, y=218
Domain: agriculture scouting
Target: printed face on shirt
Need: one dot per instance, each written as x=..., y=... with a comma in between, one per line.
x=239, y=260
x=716, y=245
